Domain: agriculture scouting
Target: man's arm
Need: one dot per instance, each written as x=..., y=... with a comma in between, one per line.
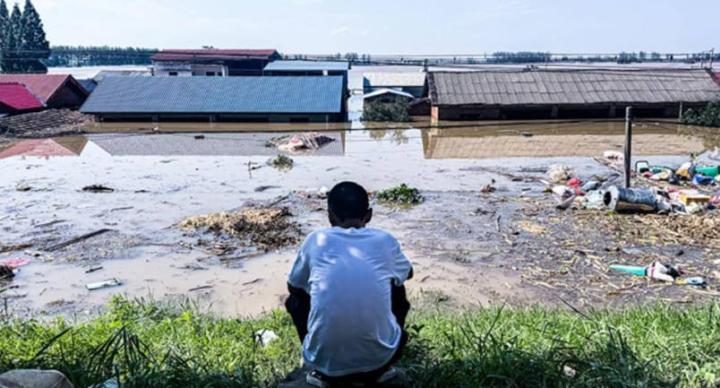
x=298, y=306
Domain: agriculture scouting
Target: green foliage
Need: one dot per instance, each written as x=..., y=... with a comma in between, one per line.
x=401, y=195
x=149, y=344
x=281, y=162
x=709, y=116
x=395, y=111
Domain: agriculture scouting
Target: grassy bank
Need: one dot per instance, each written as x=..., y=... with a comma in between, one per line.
x=148, y=344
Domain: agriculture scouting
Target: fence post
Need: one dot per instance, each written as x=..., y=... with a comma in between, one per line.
x=628, y=145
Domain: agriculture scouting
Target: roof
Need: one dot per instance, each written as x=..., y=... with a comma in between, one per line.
x=18, y=98
x=381, y=92
x=283, y=94
x=43, y=86
x=539, y=87
x=405, y=79
x=213, y=54
x=307, y=66
x=67, y=146
x=213, y=144
x=121, y=73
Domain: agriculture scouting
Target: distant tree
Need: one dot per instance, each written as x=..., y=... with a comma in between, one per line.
x=4, y=20
x=25, y=45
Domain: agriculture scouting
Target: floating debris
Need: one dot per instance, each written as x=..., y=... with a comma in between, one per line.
x=267, y=228
x=98, y=189
x=401, y=195
x=281, y=162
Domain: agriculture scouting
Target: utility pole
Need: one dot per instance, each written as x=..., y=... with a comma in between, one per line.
x=712, y=57
x=628, y=145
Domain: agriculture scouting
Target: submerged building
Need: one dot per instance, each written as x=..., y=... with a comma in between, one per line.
x=289, y=99
x=409, y=82
x=211, y=62
x=54, y=90
x=561, y=94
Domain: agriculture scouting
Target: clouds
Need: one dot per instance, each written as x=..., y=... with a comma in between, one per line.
x=385, y=26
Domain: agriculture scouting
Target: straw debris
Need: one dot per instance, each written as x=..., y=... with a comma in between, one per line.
x=266, y=228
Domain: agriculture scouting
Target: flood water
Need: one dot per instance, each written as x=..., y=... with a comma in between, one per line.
x=161, y=178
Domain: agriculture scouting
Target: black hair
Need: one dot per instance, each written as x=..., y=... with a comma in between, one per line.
x=348, y=201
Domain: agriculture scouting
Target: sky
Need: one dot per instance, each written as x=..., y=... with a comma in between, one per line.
x=389, y=26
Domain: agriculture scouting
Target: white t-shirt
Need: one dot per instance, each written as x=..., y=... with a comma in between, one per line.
x=348, y=274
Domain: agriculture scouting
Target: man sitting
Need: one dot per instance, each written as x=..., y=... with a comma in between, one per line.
x=347, y=298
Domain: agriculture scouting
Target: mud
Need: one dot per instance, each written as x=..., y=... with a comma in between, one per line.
x=469, y=246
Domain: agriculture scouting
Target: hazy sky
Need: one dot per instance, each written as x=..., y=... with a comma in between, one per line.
x=389, y=26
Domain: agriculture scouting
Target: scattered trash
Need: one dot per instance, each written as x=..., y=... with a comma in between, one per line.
x=559, y=173
x=15, y=263
x=564, y=195
x=655, y=271
x=265, y=337
x=76, y=240
x=199, y=137
x=693, y=197
x=623, y=200
x=401, y=195
x=254, y=281
x=23, y=187
x=266, y=228
x=261, y=189
x=708, y=171
x=200, y=288
x=104, y=284
x=35, y=378
x=590, y=186
x=93, y=269
x=595, y=200
x=97, y=189
x=300, y=142
x=281, y=162
x=693, y=281
x=489, y=188
x=702, y=180
x=615, y=156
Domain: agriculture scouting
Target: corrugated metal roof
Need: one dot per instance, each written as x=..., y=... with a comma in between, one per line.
x=18, y=98
x=209, y=54
x=43, y=86
x=283, y=94
x=571, y=87
x=307, y=66
x=387, y=79
x=185, y=144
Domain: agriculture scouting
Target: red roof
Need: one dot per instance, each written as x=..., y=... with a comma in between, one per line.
x=717, y=76
x=217, y=54
x=43, y=86
x=17, y=97
x=36, y=147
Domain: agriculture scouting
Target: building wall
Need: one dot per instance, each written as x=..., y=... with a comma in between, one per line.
x=67, y=97
x=599, y=111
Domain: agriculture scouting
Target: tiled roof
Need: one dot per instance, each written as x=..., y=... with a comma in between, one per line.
x=307, y=66
x=18, y=98
x=283, y=94
x=183, y=55
x=571, y=87
x=42, y=86
x=40, y=148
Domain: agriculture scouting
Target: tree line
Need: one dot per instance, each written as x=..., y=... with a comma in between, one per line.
x=73, y=56
x=23, y=44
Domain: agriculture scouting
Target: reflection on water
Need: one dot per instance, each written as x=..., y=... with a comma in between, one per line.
x=449, y=141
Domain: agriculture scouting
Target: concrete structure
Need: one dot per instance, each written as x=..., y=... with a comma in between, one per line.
x=56, y=91
x=300, y=99
x=409, y=82
x=211, y=62
x=551, y=94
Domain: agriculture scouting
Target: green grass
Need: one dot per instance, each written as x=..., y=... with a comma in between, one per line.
x=149, y=344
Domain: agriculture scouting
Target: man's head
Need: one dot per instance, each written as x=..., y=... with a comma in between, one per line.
x=348, y=206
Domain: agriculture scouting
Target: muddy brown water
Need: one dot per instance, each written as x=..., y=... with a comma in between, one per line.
x=460, y=254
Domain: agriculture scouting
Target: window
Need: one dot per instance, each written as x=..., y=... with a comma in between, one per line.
x=173, y=74
x=210, y=74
